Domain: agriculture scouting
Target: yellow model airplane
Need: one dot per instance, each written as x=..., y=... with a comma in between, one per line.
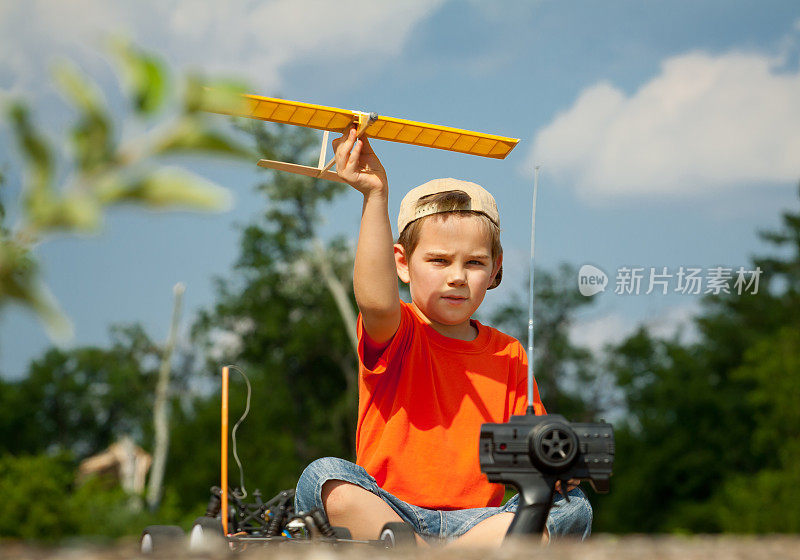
x=330, y=119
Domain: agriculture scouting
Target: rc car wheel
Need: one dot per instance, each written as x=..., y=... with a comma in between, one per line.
x=398, y=535
x=206, y=535
x=342, y=533
x=553, y=446
x=157, y=539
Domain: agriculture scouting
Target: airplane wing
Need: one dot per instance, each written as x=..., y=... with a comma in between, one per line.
x=380, y=127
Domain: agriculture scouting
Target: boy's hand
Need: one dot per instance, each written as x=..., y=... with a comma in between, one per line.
x=357, y=164
x=572, y=483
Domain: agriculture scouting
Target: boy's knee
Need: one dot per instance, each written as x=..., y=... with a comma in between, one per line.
x=311, y=480
x=339, y=497
x=571, y=519
x=310, y=485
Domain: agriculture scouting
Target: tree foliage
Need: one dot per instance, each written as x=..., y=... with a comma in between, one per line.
x=42, y=502
x=287, y=334
x=711, y=437
x=81, y=400
x=765, y=500
x=103, y=169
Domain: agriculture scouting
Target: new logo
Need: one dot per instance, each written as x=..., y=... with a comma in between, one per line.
x=591, y=280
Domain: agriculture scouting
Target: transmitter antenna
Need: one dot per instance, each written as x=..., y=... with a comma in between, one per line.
x=530, y=294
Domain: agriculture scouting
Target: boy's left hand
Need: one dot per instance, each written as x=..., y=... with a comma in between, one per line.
x=572, y=483
x=357, y=163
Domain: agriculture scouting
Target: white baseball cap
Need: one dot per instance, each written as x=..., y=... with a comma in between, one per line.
x=413, y=206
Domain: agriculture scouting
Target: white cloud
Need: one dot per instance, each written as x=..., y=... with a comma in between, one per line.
x=254, y=40
x=674, y=321
x=596, y=333
x=613, y=328
x=704, y=122
x=261, y=39
x=226, y=344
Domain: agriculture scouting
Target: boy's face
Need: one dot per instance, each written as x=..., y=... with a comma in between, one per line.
x=449, y=271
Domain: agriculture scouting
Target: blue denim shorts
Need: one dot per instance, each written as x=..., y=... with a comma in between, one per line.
x=571, y=518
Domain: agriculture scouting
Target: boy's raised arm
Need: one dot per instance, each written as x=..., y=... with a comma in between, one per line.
x=375, y=275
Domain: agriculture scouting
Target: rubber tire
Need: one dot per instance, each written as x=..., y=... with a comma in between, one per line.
x=206, y=535
x=543, y=457
x=342, y=533
x=158, y=539
x=398, y=535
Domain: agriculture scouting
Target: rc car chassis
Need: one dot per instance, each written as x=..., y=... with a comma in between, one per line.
x=245, y=524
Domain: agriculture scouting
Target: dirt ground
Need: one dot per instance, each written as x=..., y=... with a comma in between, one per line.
x=601, y=547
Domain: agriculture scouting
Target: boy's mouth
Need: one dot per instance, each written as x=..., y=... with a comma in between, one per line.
x=454, y=299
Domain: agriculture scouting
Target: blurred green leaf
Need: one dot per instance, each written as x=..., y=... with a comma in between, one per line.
x=78, y=88
x=77, y=211
x=143, y=75
x=34, y=148
x=100, y=173
x=56, y=323
x=19, y=283
x=17, y=268
x=192, y=135
x=45, y=210
x=168, y=187
x=91, y=136
x=218, y=96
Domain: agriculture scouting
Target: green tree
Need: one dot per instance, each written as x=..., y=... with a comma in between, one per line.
x=763, y=498
x=710, y=426
x=290, y=335
x=81, y=400
x=765, y=501
x=43, y=503
x=685, y=428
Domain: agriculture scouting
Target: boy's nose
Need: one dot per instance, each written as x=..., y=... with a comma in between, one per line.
x=457, y=276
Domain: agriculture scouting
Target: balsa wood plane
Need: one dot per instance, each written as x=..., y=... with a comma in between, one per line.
x=371, y=125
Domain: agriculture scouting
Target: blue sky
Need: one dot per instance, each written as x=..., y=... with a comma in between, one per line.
x=668, y=134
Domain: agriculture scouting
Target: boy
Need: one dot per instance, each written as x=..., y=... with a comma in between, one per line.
x=429, y=375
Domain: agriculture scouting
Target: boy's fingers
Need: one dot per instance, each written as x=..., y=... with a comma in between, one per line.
x=355, y=154
x=342, y=146
x=341, y=140
x=352, y=166
x=349, y=138
x=340, y=153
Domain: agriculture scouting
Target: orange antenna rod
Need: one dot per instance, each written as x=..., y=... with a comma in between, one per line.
x=224, y=447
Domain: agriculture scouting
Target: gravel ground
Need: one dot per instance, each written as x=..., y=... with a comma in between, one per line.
x=600, y=547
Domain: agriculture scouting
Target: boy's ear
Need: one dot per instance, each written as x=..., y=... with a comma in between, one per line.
x=401, y=263
x=497, y=272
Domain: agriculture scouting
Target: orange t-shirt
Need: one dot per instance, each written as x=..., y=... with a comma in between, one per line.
x=421, y=405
